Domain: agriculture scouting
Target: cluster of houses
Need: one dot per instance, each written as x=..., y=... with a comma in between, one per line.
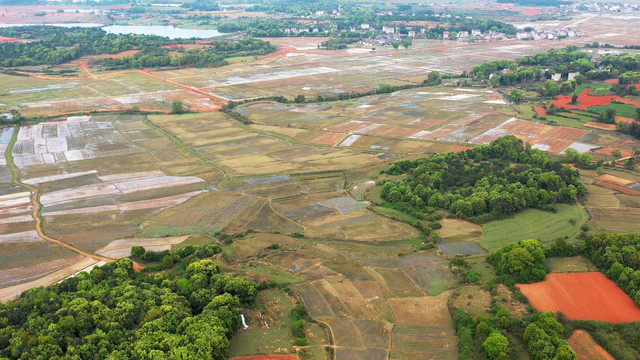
x=537, y=34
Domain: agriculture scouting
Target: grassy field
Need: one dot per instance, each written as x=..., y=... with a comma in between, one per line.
x=534, y=224
x=621, y=110
x=269, y=329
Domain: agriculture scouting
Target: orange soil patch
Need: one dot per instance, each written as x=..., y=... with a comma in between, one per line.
x=607, y=150
x=635, y=103
x=624, y=119
x=116, y=56
x=586, y=348
x=267, y=357
x=540, y=110
x=188, y=46
x=588, y=295
x=532, y=12
x=329, y=138
x=459, y=148
x=622, y=189
x=584, y=99
x=601, y=126
x=615, y=180
x=370, y=167
x=8, y=39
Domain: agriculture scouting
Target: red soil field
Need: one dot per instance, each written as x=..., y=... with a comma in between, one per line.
x=329, y=138
x=540, y=111
x=622, y=189
x=459, y=148
x=635, y=103
x=588, y=295
x=364, y=169
x=602, y=126
x=609, y=149
x=584, y=100
x=267, y=357
x=8, y=39
x=624, y=119
x=586, y=348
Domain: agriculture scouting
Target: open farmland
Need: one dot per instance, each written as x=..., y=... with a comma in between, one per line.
x=582, y=296
x=613, y=203
x=413, y=121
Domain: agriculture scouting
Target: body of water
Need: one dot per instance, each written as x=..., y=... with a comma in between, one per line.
x=160, y=30
x=168, y=31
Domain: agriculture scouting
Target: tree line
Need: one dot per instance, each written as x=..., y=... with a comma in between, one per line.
x=189, y=311
x=56, y=45
x=483, y=183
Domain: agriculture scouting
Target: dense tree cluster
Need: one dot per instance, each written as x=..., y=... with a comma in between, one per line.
x=521, y=262
x=619, y=257
x=544, y=339
x=490, y=180
x=483, y=334
x=114, y=313
x=55, y=45
x=342, y=26
x=530, y=68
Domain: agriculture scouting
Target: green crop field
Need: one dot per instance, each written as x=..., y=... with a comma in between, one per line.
x=534, y=224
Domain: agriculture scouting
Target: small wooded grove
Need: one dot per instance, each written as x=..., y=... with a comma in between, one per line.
x=50, y=45
x=483, y=183
x=488, y=337
x=188, y=312
x=618, y=256
x=521, y=262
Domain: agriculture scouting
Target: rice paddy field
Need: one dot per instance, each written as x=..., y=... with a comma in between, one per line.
x=416, y=121
x=295, y=185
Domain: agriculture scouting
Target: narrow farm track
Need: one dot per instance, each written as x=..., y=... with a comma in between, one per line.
x=85, y=68
x=186, y=87
x=36, y=207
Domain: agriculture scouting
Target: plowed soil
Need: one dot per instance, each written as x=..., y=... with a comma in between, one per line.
x=586, y=348
x=587, y=296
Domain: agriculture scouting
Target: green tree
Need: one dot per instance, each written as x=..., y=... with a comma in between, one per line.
x=496, y=346
x=616, y=153
x=177, y=107
x=395, y=45
x=551, y=88
x=516, y=95
x=385, y=88
x=574, y=99
x=300, y=99
x=406, y=43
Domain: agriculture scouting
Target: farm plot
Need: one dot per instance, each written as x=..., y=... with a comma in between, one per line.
x=245, y=152
x=424, y=328
x=428, y=114
x=332, y=215
x=612, y=202
x=586, y=348
x=534, y=224
x=582, y=296
x=108, y=193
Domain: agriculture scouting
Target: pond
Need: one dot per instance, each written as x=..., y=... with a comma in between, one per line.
x=168, y=31
x=160, y=30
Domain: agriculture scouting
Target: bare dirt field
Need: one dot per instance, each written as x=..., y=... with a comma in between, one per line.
x=582, y=296
x=586, y=348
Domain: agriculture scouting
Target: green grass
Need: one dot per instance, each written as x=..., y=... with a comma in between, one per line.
x=195, y=240
x=269, y=272
x=595, y=87
x=534, y=224
x=257, y=339
x=621, y=110
x=240, y=58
